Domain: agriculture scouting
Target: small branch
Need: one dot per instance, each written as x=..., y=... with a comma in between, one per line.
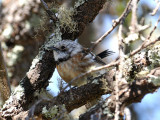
x=117, y=106
x=50, y=13
x=134, y=22
x=120, y=41
x=155, y=27
x=142, y=28
x=115, y=23
x=144, y=45
x=156, y=8
x=31, y=111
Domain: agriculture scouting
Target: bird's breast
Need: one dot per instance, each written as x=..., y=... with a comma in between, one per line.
x=73, y=67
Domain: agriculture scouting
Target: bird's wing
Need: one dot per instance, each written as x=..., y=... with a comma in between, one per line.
x=98, y=58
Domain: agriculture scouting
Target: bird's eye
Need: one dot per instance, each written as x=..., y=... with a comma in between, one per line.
x=63, y=47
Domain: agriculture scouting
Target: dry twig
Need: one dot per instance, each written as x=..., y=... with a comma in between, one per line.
x=115, y=23
x=50, y=13
x=156, y=8
x=144, y=45
x=134, y=22
x=154, y=28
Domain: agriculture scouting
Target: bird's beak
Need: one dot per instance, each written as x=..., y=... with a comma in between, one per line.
x=53, y=48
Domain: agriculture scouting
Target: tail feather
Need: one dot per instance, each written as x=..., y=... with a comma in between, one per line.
x=105, y=53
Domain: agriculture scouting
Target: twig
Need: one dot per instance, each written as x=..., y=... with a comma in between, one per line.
x=144, y=45
x=50, y=13
x=119, y=73
x=134, y=22
x=156, y=8
x=117, y=109
x=31, y=111
x=90, y=71
x=142, y=28
x=115, y=23
x=120, y=40
x=154, y=28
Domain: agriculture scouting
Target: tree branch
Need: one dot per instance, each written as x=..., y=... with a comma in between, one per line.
x=86, y=13
x=128, y=94
x=115, y=24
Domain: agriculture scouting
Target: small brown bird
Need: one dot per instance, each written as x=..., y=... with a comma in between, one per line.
x=72, y=60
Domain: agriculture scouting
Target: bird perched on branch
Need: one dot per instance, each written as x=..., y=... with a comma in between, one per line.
x=72, y=60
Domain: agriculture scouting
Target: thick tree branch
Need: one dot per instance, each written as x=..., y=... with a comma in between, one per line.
x=76, y=97
x=86, y=13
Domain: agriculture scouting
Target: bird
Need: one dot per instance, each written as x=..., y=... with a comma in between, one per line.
x=72, y=59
